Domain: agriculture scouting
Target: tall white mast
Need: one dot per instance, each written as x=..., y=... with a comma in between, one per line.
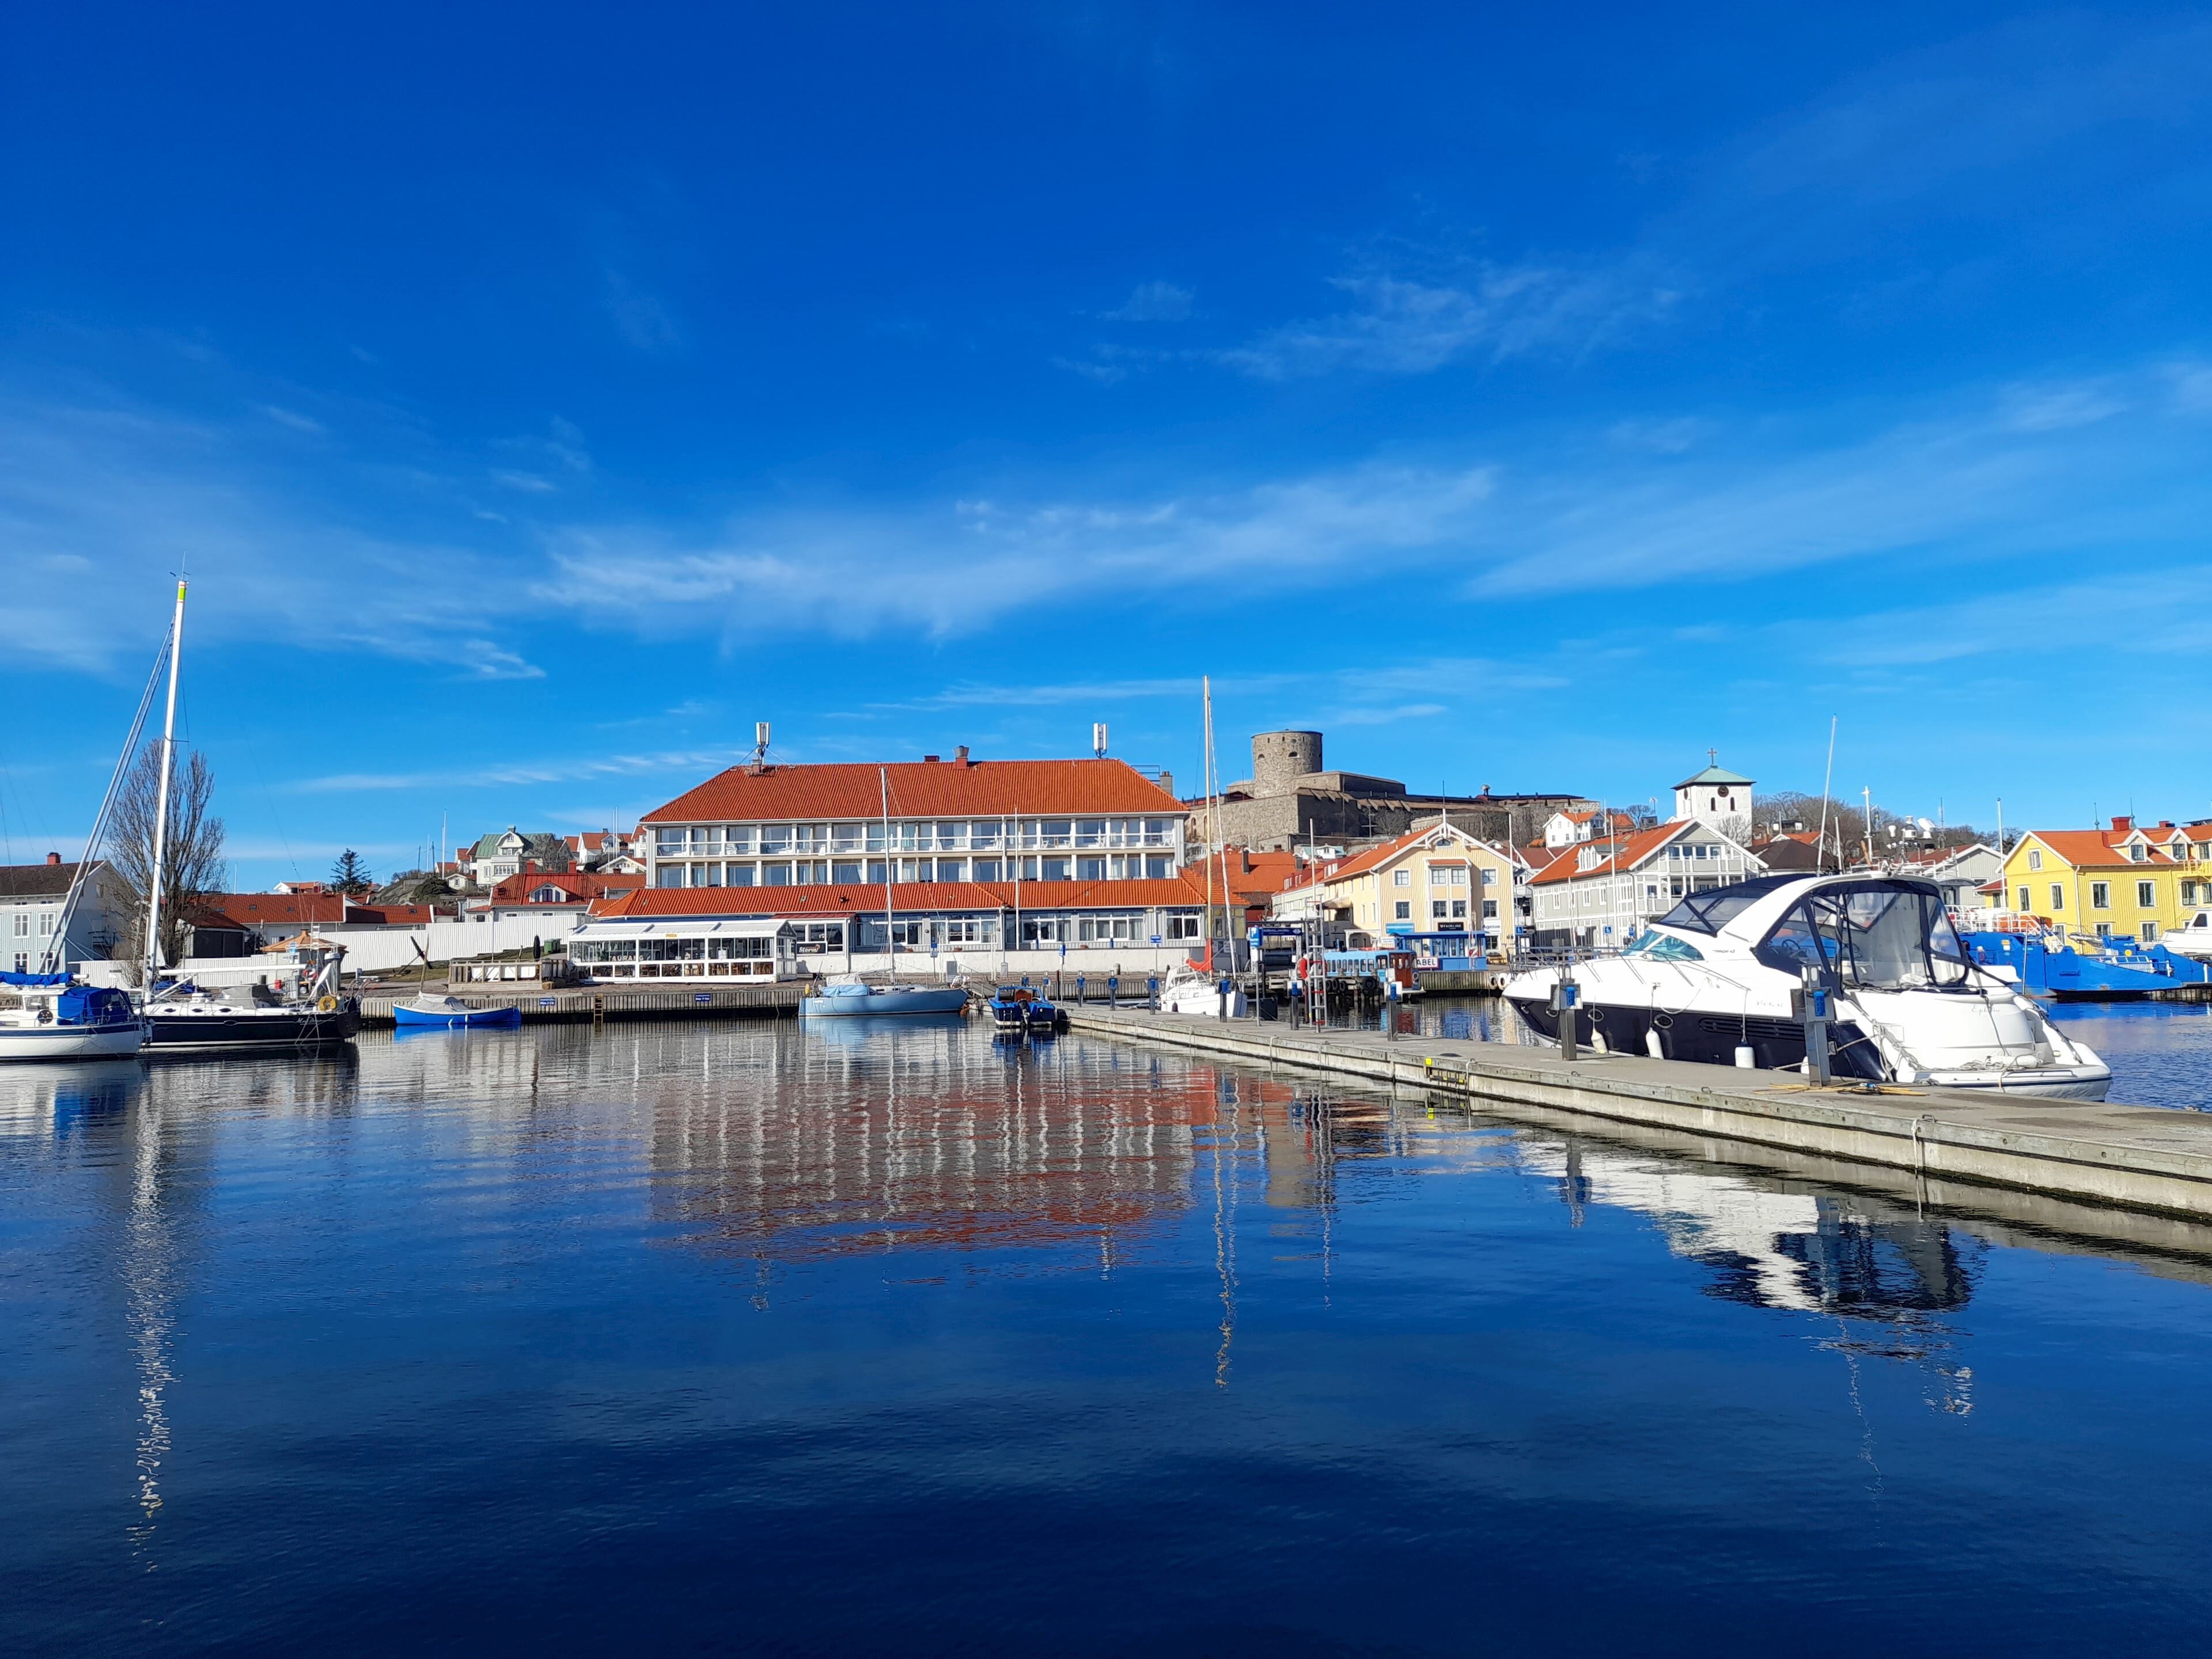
x=1206, y=779
x=890, y=868
x=162, y=796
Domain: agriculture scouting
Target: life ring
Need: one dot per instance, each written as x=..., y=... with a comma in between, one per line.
x=329, y=1005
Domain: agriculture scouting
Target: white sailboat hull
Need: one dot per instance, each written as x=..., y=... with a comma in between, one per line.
x=70, y=1042
x=852, y=1001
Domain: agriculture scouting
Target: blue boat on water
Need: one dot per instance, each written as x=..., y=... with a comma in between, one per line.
x=854, y=998
x=2122, y=972
x=452, y=1014
x=1020, y=1011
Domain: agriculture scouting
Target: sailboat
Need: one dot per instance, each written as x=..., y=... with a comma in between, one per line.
x=851, y=996
x=182, y=1019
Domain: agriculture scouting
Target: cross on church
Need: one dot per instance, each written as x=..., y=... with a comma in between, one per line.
x=1713, y=756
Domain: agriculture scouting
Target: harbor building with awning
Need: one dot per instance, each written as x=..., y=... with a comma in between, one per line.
x=970, y=926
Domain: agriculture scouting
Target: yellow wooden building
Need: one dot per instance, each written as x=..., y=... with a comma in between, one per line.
x=2135, y=881
x=1434, y=879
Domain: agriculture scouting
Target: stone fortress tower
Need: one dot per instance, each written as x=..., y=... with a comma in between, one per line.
x=1291, y=800
x=1279, y=759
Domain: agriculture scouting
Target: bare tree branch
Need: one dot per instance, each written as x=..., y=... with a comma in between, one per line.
x=191, y=855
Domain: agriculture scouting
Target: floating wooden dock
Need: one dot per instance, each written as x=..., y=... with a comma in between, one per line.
x=2139, y=1158
x=596, y=1002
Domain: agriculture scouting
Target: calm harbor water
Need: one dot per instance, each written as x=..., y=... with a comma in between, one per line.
x=885, y=1339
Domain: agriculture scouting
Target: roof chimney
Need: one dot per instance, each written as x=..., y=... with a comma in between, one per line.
x=929, y=760
x=960, y=755
x=53, y=858
x=2121, y=826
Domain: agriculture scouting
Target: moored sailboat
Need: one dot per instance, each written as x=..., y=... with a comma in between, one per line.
x=853, y=996
x=53, y=1016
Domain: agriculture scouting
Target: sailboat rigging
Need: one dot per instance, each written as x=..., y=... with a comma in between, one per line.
x=185, y=1019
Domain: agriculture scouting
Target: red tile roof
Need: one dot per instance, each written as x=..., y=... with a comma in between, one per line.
x=949, y=789
x=304, y=910
x=1624, y=854
x=2097, y=848
x=647, y=902
x=577, y=884
x=1255, y=878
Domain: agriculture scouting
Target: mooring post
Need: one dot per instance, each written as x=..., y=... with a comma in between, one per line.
x=1563, y=1005
x=1814, y=1013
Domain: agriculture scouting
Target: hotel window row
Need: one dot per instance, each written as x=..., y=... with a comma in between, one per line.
x=853, y=872
x=768, y=839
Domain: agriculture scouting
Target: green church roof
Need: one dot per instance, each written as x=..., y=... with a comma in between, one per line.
x=1717, y=775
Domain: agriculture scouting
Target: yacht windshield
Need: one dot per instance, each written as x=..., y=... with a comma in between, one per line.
x=1664, y=947
x=1875, y=935
x=1710, y=911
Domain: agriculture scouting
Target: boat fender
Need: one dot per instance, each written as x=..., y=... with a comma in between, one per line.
x=329, y=1005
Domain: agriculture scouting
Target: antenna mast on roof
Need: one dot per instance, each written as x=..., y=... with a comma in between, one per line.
x=760, y=745
x=1098, y=739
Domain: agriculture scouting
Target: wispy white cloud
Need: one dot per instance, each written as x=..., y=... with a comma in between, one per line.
x=2085, y=467
x=1103, y=370
x=293, y=418
x=1371, y=715
x=1153, y=302
x=1677, y=436
x=2054, y=408
x=101, y=499
x=2135, y=607
x=955, y=569
x=1398, y=325
x=553, y=768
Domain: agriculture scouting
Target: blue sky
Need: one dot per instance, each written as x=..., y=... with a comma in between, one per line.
x=539, y=397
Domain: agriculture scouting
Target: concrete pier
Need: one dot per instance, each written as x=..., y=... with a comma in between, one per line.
x=2138, y=1157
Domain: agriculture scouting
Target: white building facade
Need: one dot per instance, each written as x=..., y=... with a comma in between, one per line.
x=31, y=900
x=1600, y=895
x=925, y=823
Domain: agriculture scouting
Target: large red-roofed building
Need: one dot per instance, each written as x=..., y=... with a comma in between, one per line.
x=922, y=822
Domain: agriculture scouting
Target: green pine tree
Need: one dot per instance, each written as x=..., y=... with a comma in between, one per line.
x=349, y=875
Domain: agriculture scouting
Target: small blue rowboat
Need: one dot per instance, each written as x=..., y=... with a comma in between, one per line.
x=452, y=1014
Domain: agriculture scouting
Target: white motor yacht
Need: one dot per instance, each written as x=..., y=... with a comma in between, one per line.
x=1712, y=981
x=2192, y=938
x=1187, y=991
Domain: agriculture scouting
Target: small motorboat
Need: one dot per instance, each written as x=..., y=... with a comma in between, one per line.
x=452, y=1014
x=1190, y=991
x=845, y=999
x=53, y=1016
x=1020, y=1011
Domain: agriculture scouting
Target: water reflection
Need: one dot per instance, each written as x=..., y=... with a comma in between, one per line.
x=874, y=1296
